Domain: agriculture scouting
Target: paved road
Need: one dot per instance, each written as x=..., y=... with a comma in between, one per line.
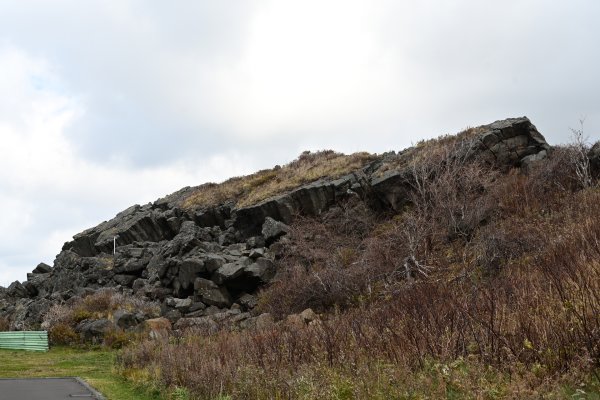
x=46, y=389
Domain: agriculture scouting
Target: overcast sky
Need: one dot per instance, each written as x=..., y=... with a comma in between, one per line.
x=105, y=104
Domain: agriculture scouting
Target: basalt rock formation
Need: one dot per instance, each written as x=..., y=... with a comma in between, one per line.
x=205, y=264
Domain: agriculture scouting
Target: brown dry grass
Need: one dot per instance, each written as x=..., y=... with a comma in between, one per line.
x=61, y=319
x=431, y=149
x=252, y=189
x=510, y=310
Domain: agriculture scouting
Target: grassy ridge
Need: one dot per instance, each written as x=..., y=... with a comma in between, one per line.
x=252, y=189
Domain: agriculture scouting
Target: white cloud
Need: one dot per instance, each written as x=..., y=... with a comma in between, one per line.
x=107, y=103
x=48, y=191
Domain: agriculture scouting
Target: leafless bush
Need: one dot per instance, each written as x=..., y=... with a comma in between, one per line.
x=321, y=266
x=580, y=148
x=58, y=313
x=541, y=311
x=450, y=188
x=4, y=324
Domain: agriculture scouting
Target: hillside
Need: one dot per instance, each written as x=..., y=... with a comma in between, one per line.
x=349, y=276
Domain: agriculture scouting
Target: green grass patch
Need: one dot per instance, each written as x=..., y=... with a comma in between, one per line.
x=94, y=366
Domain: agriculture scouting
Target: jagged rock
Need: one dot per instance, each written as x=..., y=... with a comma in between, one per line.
x=182, y=305
x=217, y=254
x=230, y=271
x=125, y=280
x=261, y=270
x=136, y=224
x=125, y=319
x=213, y=262
x=185, y=240
x=189, y=270
x=132, y=260
x=255, y=242
x=257, y=253
x=159, y=293
x=39, y=283
x=32, y=290
x=197, y=309
x=273, y=230
x=391, y=189
x=42, y=268
x=16, y=289
x=508, y=143
x=173, y=316
x=310, y=199
x=140, y=284
x=594, y=157
x=209, y=293
x=20, y=314
x=204, y=325
x=528, y=161
x=214, y=216
x=247, y=301
x=197, y=306
x=94, y=331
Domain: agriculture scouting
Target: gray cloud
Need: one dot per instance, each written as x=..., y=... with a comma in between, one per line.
x=120, y=102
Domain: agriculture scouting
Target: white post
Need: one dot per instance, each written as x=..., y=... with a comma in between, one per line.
x=114, y=245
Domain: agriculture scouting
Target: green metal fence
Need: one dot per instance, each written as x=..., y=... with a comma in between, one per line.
x=25, y=340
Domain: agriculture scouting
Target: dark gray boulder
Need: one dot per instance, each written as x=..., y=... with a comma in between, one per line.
x=182, y=305
x=212, y=262
x=42, y=268
x=209, y=293
x=247, y=301
x=125, y=280
x=94, y=331
x=189, y=270
x=508, y=142
x=262, y=270
x=230, y=271
x=273, y=230
x=125, y=319
x=17, y=290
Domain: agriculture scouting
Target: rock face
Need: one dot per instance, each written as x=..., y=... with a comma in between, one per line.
x=594, y=156
x=205, y=265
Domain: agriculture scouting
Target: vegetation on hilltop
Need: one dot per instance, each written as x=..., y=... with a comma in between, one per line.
x=251, y=189
x=485, y=286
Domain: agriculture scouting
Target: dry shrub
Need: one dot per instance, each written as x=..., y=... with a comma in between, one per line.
x=534, y=315
x=118, y=338
x=62, y=334
x=321, y=267
x=61, y=319
x=348, y=256
x=544, y=318
x=4, y=324
x=251, y=189
x=558, y=173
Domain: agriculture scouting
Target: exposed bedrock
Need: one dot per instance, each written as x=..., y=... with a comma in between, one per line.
x=209, y=262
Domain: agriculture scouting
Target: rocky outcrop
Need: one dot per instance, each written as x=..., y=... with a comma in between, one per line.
x=205, y=265
x=594, y=157
x=513, y=142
